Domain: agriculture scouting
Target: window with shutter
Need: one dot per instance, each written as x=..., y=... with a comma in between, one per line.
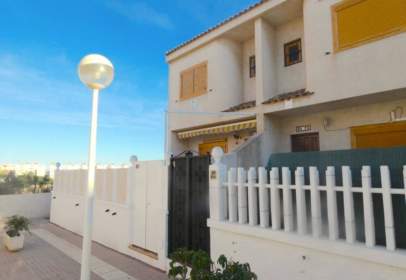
x=186, y=84
x=193, y=81
x=357, y=22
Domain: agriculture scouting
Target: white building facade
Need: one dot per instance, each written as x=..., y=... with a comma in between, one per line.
x=291, y=75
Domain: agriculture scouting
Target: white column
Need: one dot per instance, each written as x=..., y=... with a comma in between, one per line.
x=349, y=215
x=369, y=221
x=88, y=219
x=332, y=203
x=242, y=196
x=315, y=202
x=388, y=209
x=252, y=197
x=265, y=52
x=300, y=201
x=275, y=199
x=263, y=198
x=217, y=192
x=232, y=195
x=287, y=200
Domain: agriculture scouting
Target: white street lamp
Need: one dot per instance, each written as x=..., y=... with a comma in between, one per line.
x=97, y=73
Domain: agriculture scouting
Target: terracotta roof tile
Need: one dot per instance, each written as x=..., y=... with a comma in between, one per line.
x=288, y=95
x=246, y=10
x=242, y=106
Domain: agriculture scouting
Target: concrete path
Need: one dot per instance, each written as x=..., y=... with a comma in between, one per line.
x=99, y=267
x=53, y=253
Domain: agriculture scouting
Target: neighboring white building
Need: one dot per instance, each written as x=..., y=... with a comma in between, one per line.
x=25, y=168
x=298, y=75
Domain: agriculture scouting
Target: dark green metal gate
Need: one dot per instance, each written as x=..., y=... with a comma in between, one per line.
x=189, y=203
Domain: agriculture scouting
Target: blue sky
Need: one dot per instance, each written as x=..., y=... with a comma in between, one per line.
x=44, y=109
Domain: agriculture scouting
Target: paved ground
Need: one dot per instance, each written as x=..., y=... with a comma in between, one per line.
x=54, y=253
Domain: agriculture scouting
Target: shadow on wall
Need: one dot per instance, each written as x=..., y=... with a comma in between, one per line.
x=247, y=155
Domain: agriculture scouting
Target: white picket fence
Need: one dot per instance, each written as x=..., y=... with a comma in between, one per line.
x=247, y=197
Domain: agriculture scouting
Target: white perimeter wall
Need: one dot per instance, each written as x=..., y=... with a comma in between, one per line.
x=281, y=261
x=130, y=207
x=28, y=205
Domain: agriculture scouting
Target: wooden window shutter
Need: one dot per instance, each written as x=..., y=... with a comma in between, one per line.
x=193, y=81
x=186, y=81
x=200, y=79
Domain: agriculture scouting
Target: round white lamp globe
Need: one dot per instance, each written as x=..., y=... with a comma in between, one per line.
x=96, y=71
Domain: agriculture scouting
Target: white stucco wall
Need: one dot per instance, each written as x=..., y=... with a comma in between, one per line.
x=139, y=218
x=225, y=83
x=374, y=67
x=293, y=77
x=28, y=205
x=279, y=261
x=249, y=83
x=338, y=135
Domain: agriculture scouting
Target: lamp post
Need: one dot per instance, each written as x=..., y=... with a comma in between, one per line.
x=97, y=73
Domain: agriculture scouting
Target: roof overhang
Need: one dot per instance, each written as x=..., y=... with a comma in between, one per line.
x=249, y=14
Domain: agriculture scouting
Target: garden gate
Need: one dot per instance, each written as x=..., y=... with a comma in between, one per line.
x=189, y=203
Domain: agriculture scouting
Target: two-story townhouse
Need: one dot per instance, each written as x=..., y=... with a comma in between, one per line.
x=292, y=76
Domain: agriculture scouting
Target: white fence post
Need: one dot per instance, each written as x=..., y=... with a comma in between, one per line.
x=387, y=208
x=315, y=202
x=275, y=199
x=287, y=200
x=242, y=196
x=217, y=192
x=349, y=215
x=300, y=201
x=263, y=198
x=252, y=197
x=369, y=221
x=232, y=195
x=332, y=203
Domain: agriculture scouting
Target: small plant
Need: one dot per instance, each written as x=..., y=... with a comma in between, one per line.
x=17, y=224
x=201, y=267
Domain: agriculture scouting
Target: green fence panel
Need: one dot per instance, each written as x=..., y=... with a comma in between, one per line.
x=395, y=158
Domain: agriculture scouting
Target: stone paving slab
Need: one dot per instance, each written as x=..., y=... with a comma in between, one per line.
x=53, y=253
x=126, y=264
x=38, y=261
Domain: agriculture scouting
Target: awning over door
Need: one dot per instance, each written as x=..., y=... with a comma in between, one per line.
x=218, y=129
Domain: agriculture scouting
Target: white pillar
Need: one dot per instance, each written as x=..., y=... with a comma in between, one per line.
x=349, y=214
x=388, y=209
x=332, y=203
x=217, y=191
x=275, y=199
x=287, y=200
x=300, y=202
x=369, y=221
x=263, y=198
x=232, y=195
x=252, y=197
x=242, y=196
x=88, y=219
x=315, y=202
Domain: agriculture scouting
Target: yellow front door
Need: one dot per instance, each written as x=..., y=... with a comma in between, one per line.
x=379, y=135
x=206, y=147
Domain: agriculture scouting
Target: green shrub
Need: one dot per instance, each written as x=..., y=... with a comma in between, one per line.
x=17, y=224
x=201, y=267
